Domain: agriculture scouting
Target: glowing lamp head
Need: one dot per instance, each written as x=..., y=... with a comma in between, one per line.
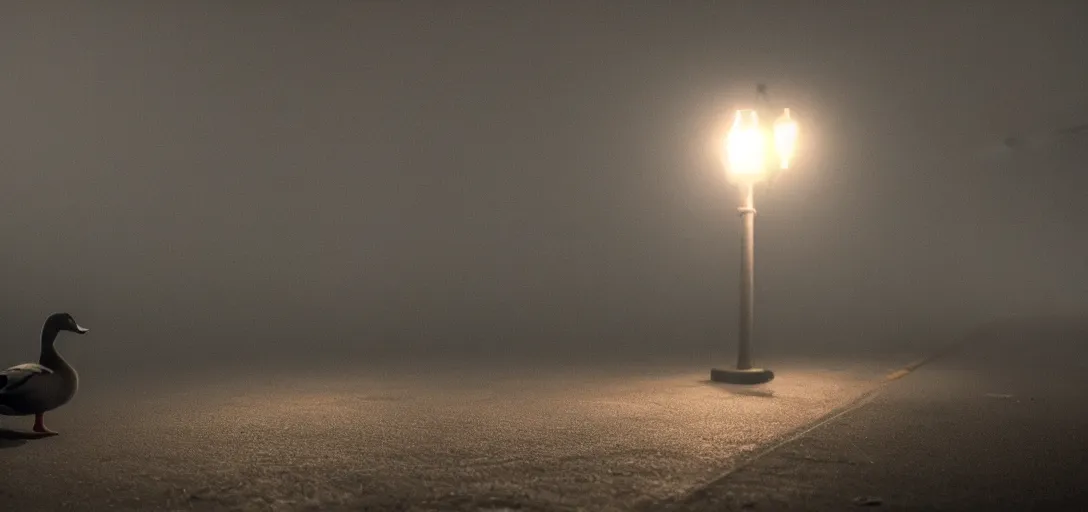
x=785, y=138
x=745, y=146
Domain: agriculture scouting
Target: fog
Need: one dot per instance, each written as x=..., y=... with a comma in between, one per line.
x=275, y=181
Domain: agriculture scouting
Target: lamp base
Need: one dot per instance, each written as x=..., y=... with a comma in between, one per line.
x=735, y=376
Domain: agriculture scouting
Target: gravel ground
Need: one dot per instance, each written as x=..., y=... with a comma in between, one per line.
x=469, y=438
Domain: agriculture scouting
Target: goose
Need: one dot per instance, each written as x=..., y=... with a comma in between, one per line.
x=37, y=388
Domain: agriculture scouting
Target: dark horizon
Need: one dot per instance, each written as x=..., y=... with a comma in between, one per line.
x=490, y=178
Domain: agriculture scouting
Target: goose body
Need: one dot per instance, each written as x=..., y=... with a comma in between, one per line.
x=37, y=388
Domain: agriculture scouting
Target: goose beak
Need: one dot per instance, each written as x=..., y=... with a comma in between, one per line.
x=82, y=330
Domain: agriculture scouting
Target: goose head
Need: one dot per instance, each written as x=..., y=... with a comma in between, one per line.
x=64, y=322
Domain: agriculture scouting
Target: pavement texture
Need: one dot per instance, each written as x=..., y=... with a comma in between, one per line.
x=999, y=424
x=451, y=438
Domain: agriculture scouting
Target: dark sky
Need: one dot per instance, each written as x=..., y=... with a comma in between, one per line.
x=512, y=175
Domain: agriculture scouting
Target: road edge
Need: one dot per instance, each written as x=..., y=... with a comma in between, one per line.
x=858, y=402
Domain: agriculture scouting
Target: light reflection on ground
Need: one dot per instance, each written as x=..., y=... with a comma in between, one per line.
x=601, y=441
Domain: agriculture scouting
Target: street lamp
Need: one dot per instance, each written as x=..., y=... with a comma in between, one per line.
x=746, y=154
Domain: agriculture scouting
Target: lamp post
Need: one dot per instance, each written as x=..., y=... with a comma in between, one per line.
x=746, y=151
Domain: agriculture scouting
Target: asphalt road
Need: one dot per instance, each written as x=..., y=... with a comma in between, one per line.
x=348, y=437
x=1001, y=424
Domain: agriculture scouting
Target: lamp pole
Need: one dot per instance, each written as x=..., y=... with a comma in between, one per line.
x=745, y=150
x=747, y=276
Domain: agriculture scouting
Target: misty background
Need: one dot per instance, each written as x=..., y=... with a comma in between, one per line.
x=268, y=180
